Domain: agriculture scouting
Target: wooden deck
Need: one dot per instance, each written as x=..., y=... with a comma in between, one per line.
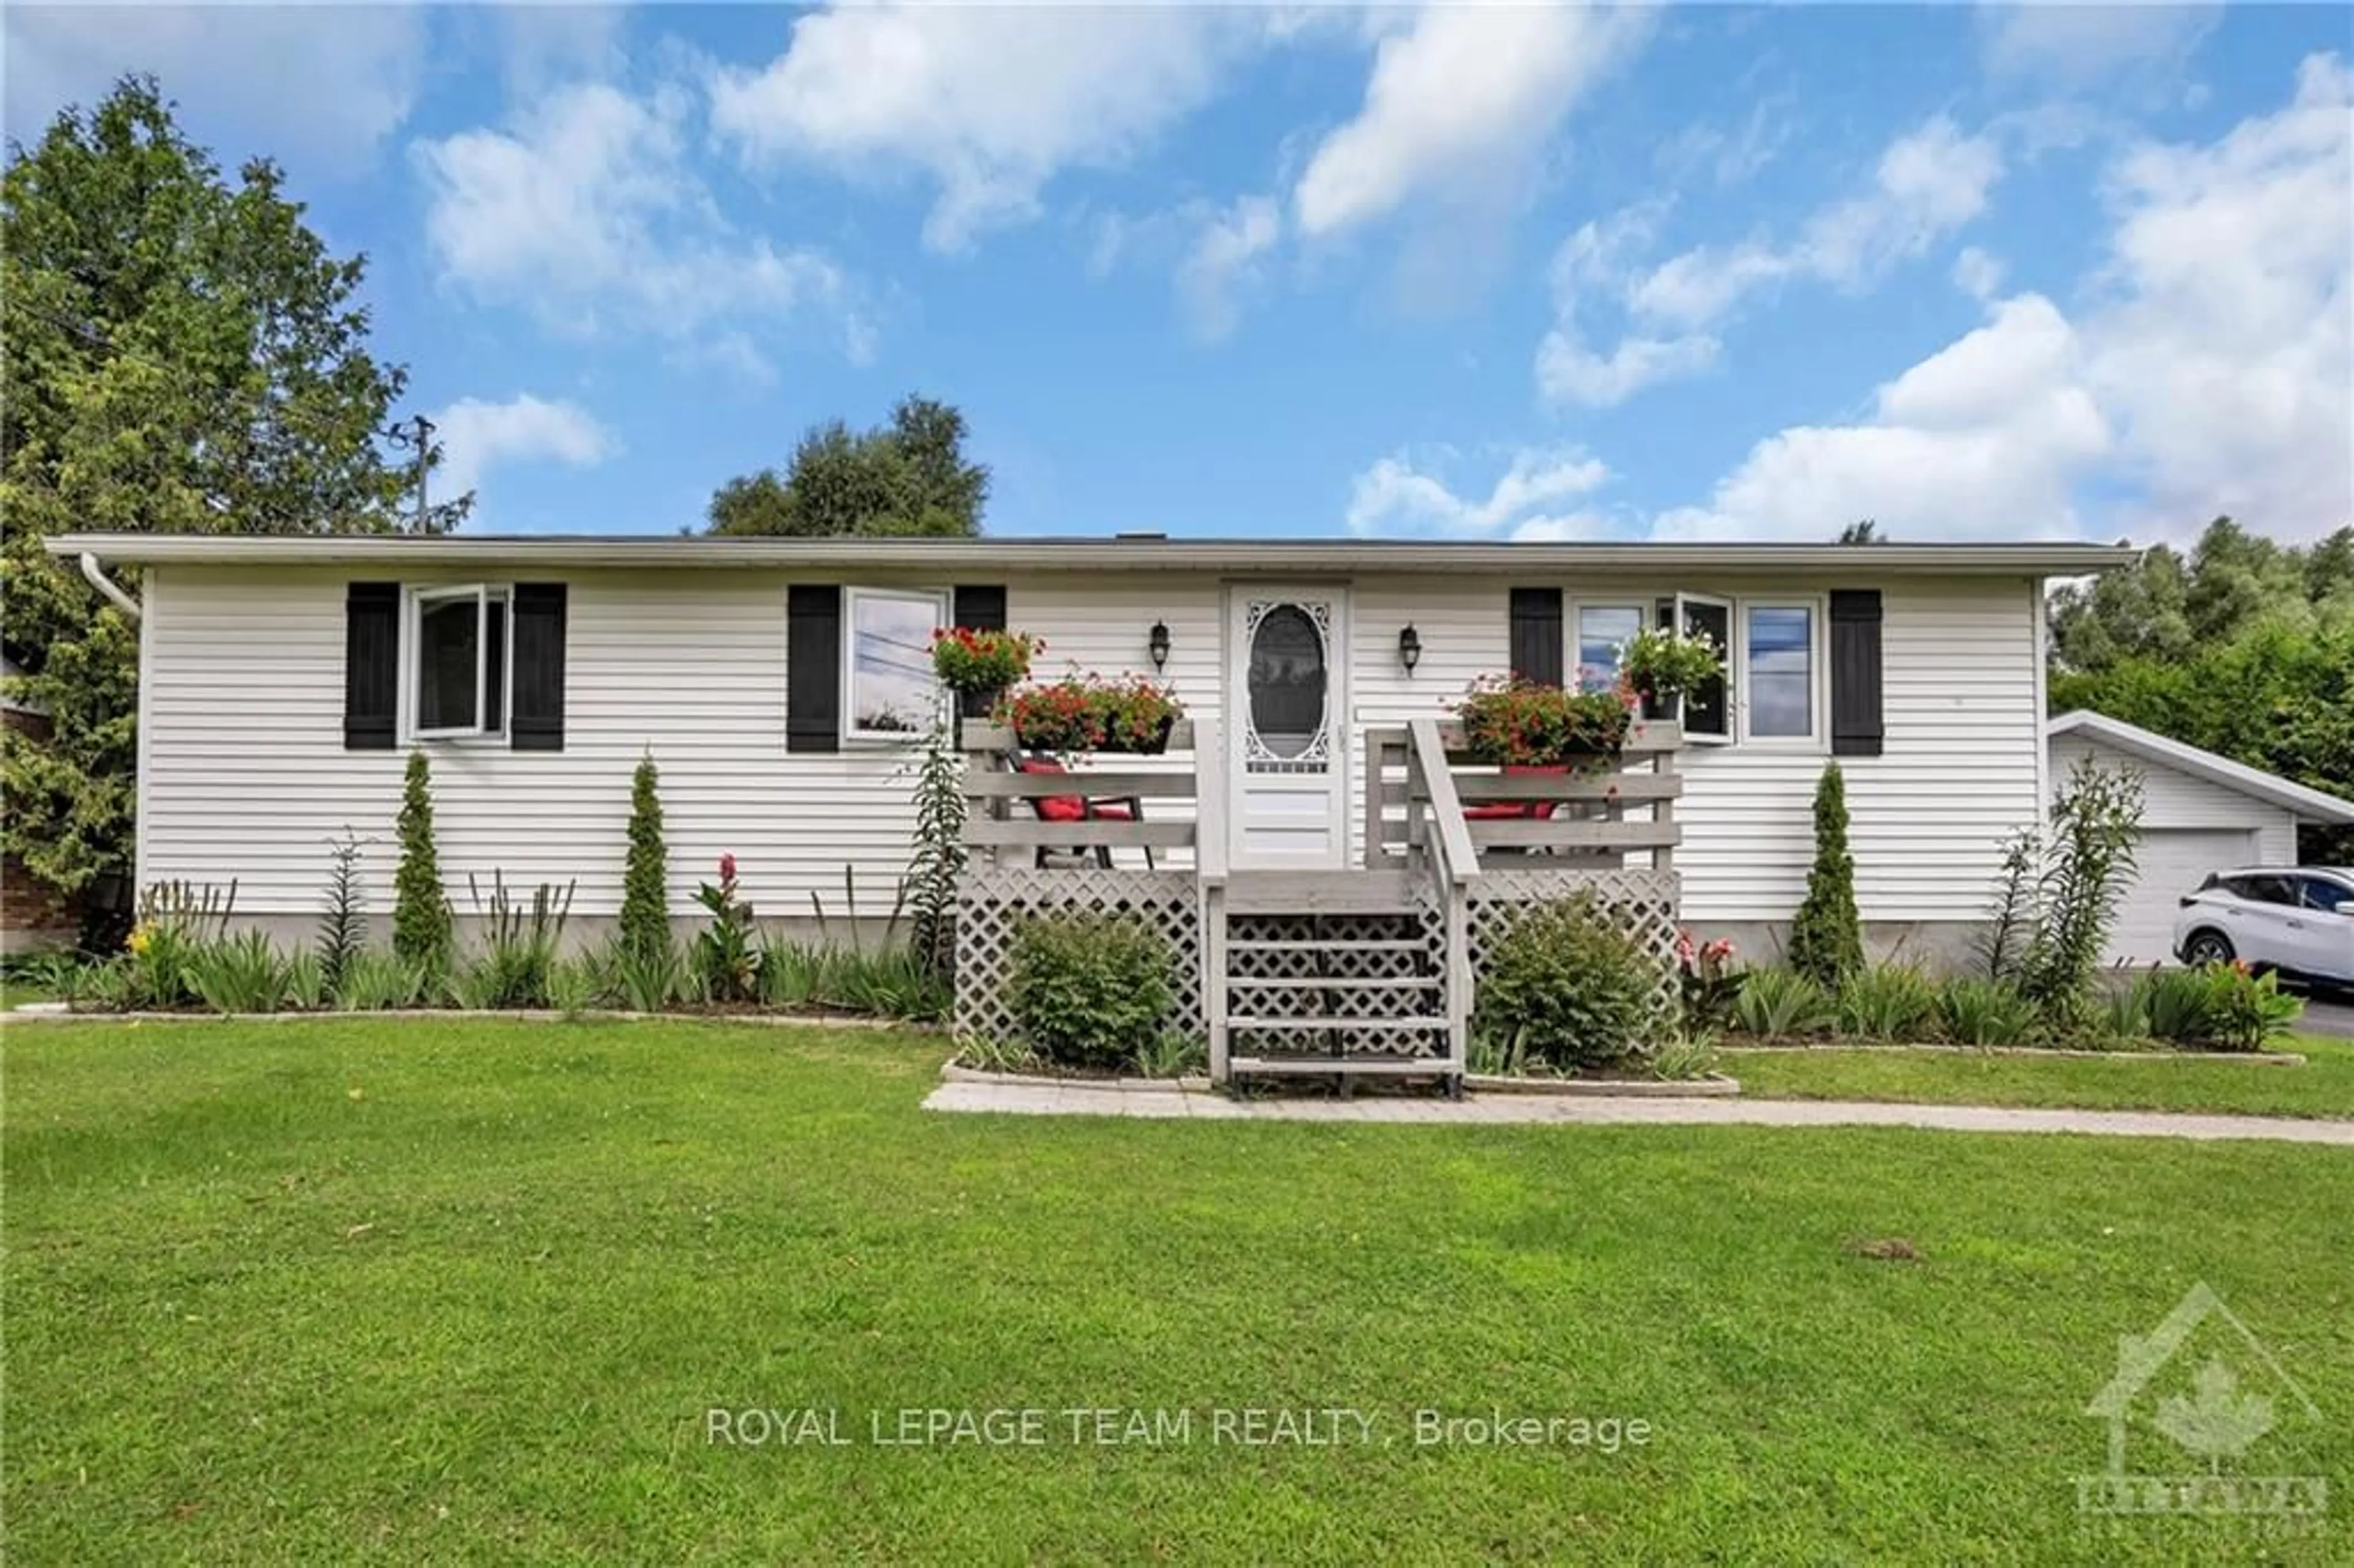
x=1371, y=968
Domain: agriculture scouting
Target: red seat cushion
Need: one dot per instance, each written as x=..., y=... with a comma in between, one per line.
x=1054, y=807
x=1114, y=812
x=1517, y=810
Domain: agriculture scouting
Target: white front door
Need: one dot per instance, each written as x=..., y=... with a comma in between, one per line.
x=1288, y=730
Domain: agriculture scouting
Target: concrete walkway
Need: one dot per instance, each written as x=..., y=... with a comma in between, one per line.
x=1112, y=1099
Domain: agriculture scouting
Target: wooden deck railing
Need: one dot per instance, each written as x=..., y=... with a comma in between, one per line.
x=1002, y=821
x=1598, y=818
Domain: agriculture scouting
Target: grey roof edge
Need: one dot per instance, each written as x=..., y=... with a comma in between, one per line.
x=1097, y=553
x=2301, y=799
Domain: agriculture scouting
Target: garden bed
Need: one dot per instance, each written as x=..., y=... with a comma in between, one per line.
x=57, y=1012
x=2141, y=1051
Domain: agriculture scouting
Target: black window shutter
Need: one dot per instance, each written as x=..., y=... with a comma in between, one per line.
x=813, y=667
x=980, y=606
x=1856, y=726
x=1538, y=648
x=536, y=653
x=371, y=666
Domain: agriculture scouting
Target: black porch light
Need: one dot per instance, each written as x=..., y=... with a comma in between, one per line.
x=1157, y=644
x=1409, y=648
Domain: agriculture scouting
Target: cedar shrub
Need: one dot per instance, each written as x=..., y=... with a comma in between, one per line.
x=1827, y=938
x=645, y=900
x=420, y=912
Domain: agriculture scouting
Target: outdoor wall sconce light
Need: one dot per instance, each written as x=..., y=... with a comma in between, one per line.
x=1409, y=648
x=1157, y=644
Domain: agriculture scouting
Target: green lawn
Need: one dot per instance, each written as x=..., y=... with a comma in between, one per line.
x=2323, y=1087
x=342, y=1290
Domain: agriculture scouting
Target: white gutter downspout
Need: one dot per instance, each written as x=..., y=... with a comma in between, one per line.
x=109, y=587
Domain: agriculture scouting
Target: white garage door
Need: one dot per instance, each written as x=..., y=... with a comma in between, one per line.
x=2173, y=862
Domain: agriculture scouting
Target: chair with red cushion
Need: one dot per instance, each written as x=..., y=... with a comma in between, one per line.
x=1516, y=811
x=1080, y=809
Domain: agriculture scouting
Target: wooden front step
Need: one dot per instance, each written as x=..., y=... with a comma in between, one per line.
x=1404, y=1066
x=1320, y=893
x=1326, y=983
x=1385, y=1025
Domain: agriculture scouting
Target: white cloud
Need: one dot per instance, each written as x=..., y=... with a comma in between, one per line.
x=477, y=436
x=1925, y=185
x=2221, y=338
x=1928, y=182
x=1591, y=263
x=318, y=88
x=990, y=103
x=1983, y=439
x=2211, y=371
x=1978, y=274
x=585, y=212
x=1569, y=372
x=1226, y=259
x=1395, y=496
x=2071, y=41
x=1462, y=99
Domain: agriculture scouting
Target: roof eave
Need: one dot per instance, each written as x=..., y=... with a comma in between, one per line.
x=2302, y=799
x=1089, y=554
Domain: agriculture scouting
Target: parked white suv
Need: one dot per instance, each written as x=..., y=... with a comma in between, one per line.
x=2297, y=919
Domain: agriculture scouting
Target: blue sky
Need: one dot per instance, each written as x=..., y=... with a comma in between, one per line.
x=1677, y=273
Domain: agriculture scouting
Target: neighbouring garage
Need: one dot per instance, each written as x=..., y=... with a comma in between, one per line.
x=2201, y=812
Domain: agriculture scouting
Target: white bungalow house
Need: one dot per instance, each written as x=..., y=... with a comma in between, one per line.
x=283, y=680
x=2200, y=813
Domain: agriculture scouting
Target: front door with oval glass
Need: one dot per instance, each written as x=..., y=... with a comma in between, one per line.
x=1286, y=750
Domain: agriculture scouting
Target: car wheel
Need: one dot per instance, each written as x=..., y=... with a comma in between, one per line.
x=2208, y=948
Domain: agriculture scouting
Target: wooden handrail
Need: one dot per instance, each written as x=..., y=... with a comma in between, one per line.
x=1456, y=861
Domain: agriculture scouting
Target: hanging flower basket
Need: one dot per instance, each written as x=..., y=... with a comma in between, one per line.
x=970, y=660
x=1087, y=712
x=1662, y=665
x=1521, y=724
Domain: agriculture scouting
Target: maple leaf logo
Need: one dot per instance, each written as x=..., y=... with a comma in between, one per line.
x=2216, y=1419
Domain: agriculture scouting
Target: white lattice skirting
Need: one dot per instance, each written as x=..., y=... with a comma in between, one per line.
x=993, y=902
x=1640, y=904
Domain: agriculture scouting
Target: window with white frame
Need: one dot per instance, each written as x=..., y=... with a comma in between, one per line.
x=1778, y=667
x=889, y=692
x=1601, y=628
x=457, y=673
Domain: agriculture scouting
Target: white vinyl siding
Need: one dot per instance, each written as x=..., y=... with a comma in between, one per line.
x=246, y=775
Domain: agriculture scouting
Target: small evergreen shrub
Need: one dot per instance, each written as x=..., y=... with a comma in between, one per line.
x=1975, y=1010
x=1779, y=1004
x=644, y=927
x=1567, y=989
x=1089, y=990
x=1825, y=937
x=421, y=928
x=1887, y=1001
